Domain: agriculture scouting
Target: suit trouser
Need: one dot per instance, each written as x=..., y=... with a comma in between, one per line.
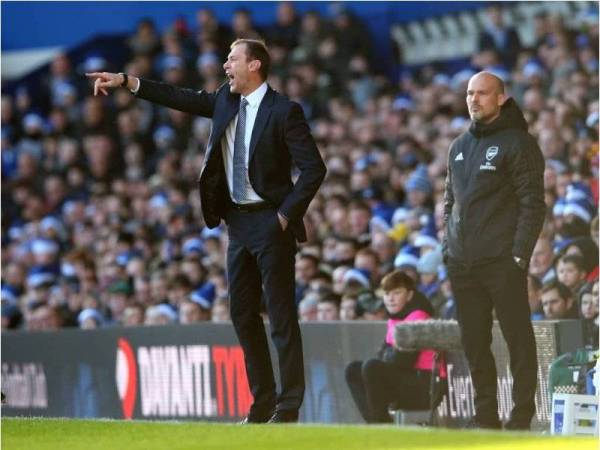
x=500, y=285
x=260, y=264
x=375, y=385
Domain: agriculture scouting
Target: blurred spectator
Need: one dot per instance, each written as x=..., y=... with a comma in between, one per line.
x=160, y=315
x=242, y=25
x=43, y=318
x=429, y=285
x=570, y=272
x=193, y=312
x=534, y=290
x=145, y=41
x=134, y=315
x=220, y=311
x=308, y=309
x=351, y=35
x=212, y=35
x=370, y=306
x=306, y=268
x=587, y=249
x=286, y=28
x=328, y=309
x=348, y=308
x=541, y=264
x=90, y=318
x=588, y=304
x=558, y=301
x=11, y=316
x=118, y=297
x=312, y=32
x=499, y=37
x=588, y=307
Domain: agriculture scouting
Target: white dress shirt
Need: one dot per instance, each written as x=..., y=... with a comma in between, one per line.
x=228, y=140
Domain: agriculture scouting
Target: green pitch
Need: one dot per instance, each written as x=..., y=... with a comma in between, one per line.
x=70, y=434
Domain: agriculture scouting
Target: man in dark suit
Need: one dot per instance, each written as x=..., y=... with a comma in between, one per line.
x=246, y=180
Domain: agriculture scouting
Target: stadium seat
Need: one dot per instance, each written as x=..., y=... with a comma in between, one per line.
x=438, y=389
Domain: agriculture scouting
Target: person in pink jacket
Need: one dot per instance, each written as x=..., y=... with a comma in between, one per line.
x=401, y=377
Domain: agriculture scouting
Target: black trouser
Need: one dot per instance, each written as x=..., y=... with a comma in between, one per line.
x=375, y=385
x=499, y=285
x=260, y=264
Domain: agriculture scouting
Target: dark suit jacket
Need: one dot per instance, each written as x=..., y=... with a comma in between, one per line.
x=280, y=137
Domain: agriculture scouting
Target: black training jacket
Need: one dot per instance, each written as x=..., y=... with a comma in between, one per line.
x=494, y=201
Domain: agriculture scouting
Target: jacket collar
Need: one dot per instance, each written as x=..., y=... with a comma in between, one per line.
x=255, y=98
x=510, y=116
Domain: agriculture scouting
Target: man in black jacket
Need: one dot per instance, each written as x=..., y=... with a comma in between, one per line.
x=494, y=210
x=246, y=180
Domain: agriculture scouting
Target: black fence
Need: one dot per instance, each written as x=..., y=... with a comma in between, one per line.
x=197, y=372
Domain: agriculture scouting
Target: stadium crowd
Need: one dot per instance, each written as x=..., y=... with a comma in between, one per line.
x=101, y=223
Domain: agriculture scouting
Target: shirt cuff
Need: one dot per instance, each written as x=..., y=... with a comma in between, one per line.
x=137, y=88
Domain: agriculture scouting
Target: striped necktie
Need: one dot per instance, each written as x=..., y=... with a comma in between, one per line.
x=240, y=173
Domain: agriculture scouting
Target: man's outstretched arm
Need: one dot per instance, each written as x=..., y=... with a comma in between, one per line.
x=199, y=103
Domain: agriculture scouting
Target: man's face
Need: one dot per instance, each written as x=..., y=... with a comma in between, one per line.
x=367, y=262
x=554, y=306
x=359, y=221
x=305, y=270
x=345, y=251
x=589, y=306
x=239, y=68
x=327, y=311
x=348, y=309
x=541, y=259
x=484, y=98
x=308, y=313
x=220, y=313
x=193, y=271
x=189, y=313
x=133, y=316
x=383, y=246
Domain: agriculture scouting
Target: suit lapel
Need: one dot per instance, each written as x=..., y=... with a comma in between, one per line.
x=220, y=125
x=262, y=117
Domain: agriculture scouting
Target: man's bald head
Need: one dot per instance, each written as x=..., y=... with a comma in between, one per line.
x=488, y=77
x=485, y=97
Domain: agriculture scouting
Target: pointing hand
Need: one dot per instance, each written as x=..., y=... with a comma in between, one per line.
x=105, y=80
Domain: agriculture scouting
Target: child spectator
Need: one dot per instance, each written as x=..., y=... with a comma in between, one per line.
x=570, y=271
x=394, y=376
x=588, y=250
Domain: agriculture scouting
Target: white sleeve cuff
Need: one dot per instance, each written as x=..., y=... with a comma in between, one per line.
x=137, y=88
